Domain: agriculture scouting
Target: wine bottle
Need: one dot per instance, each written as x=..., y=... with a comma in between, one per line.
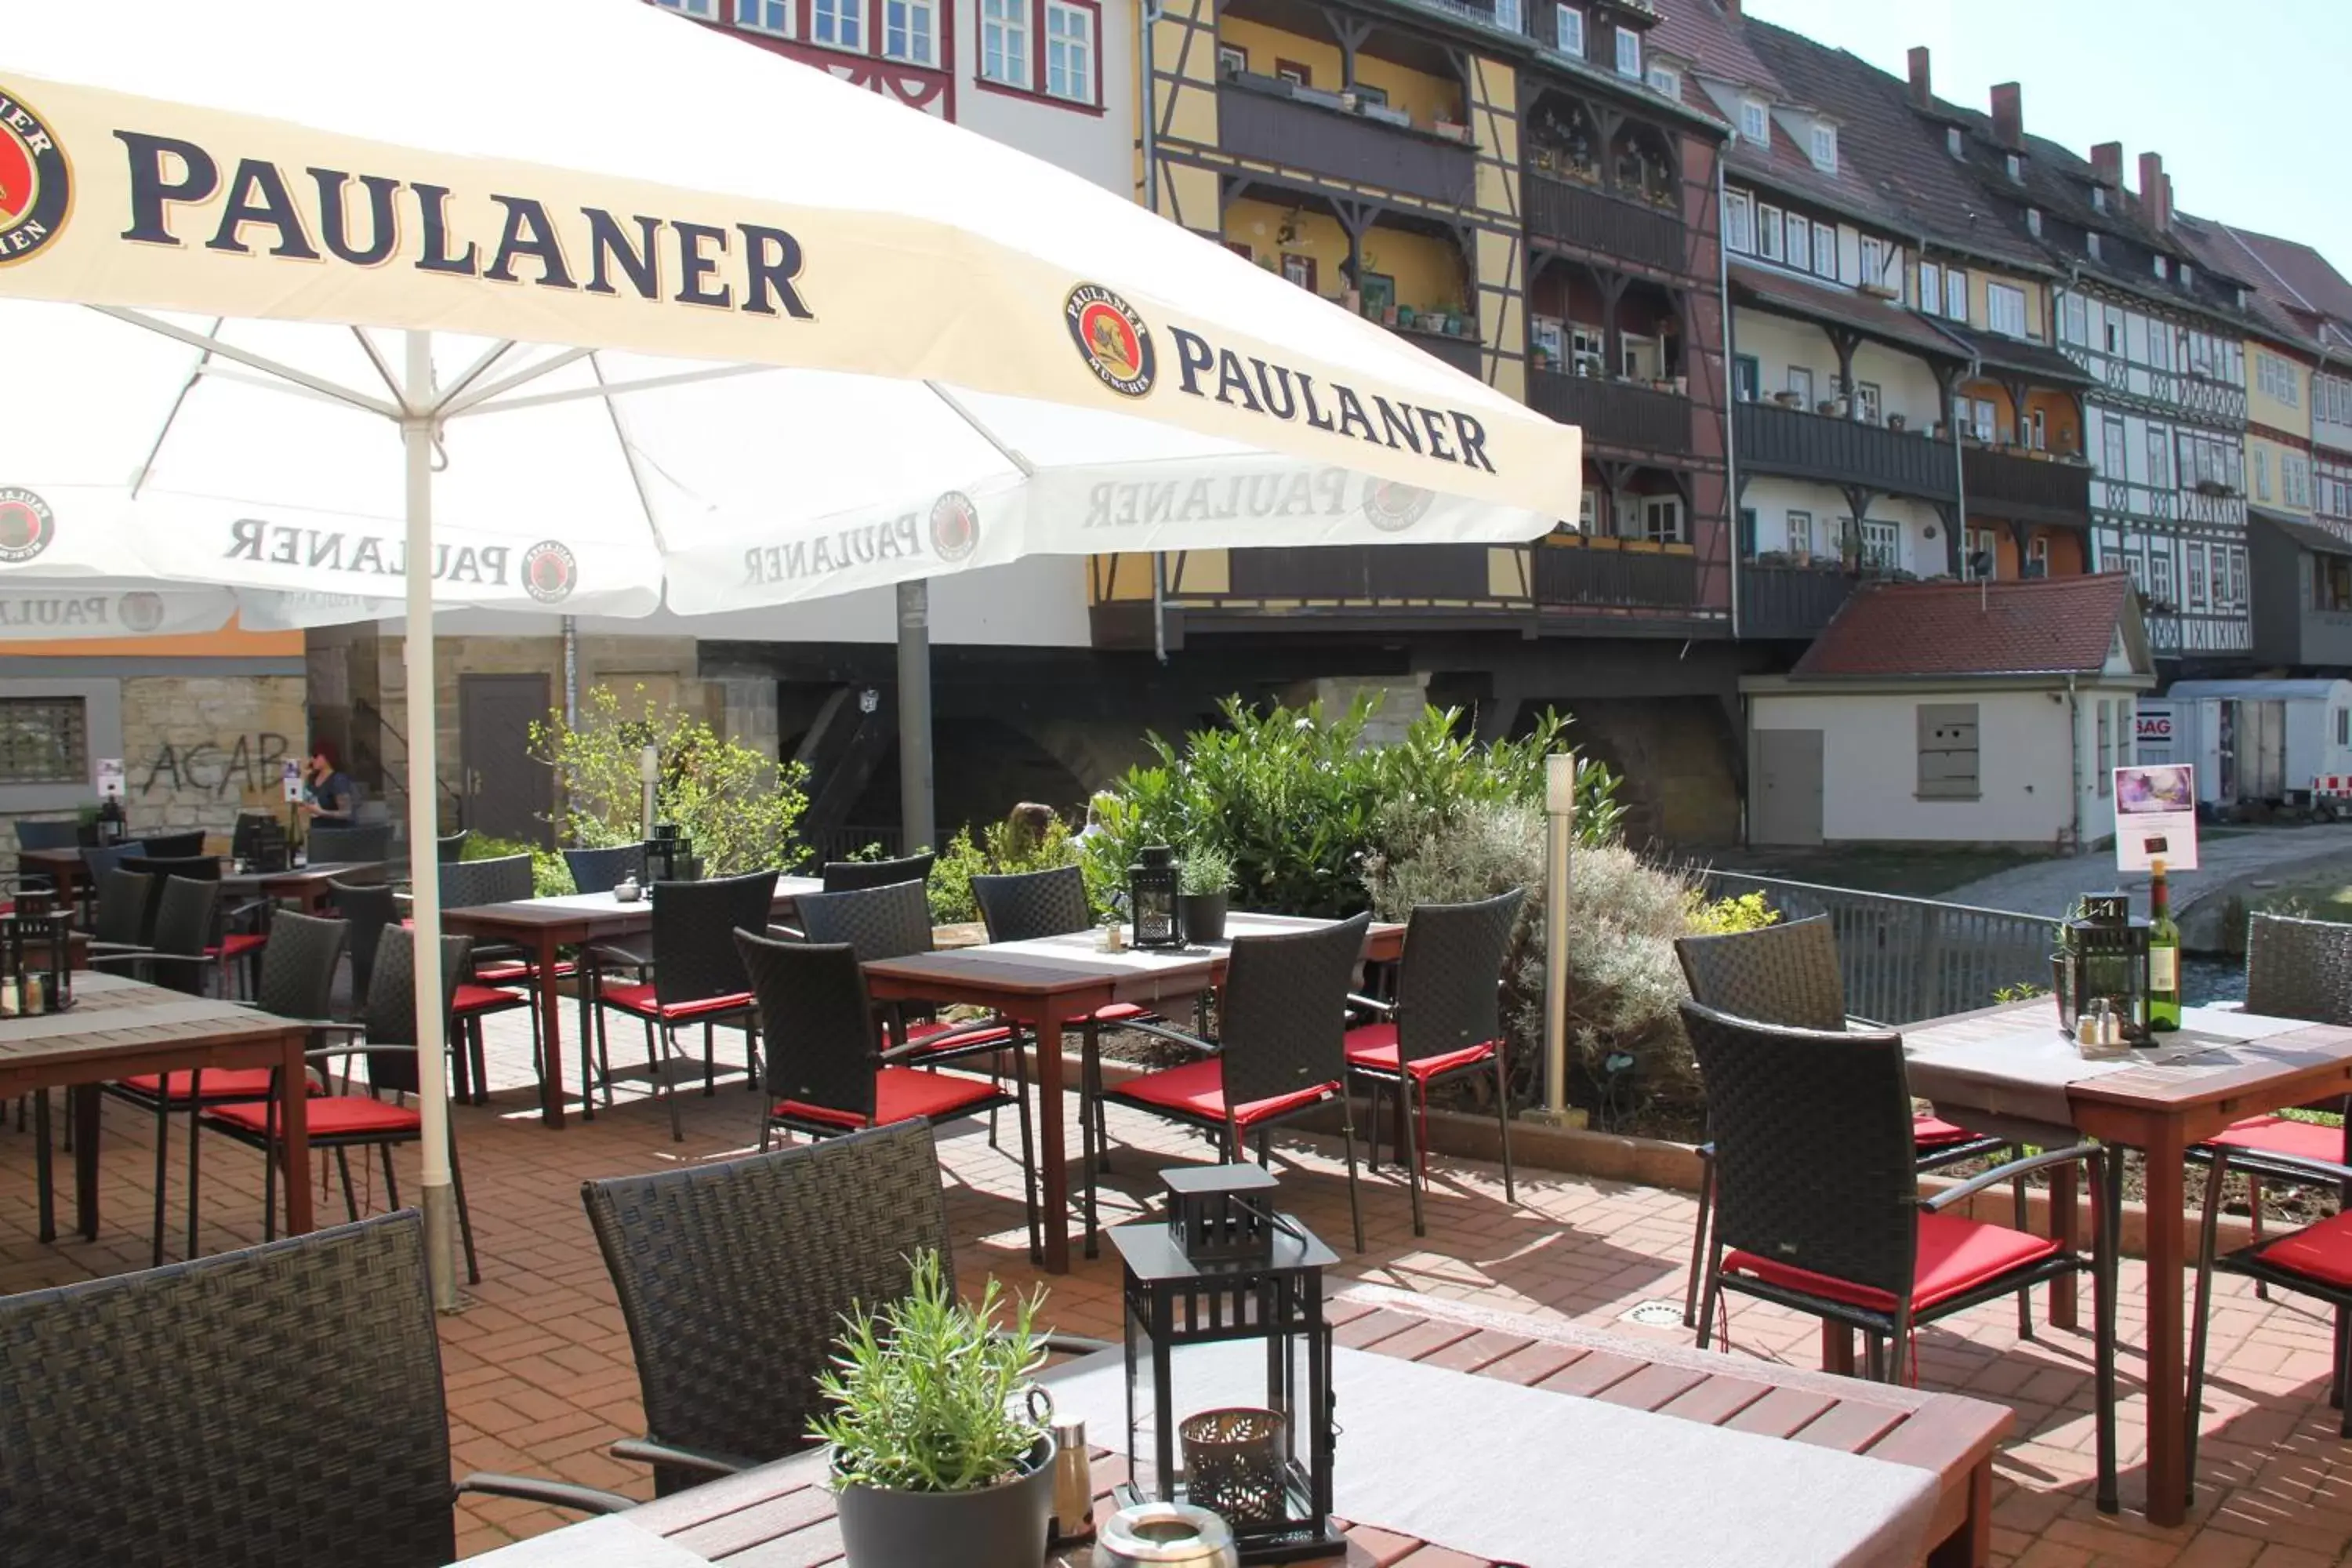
x=2163, y=954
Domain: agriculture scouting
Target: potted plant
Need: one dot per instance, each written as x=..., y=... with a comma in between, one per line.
x=938, y=1453
x=1897, y=423
x=1205, y=880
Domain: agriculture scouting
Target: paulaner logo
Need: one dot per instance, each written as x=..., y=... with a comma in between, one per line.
x=955, y=526
x=549, y=572
x=1112, y=339
x=35, y=181
x=26, y=525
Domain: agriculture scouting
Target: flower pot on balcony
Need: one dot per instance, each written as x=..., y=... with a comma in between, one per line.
x=1788, y=399
x=1350, y=103
x=1388, y=315
x=1406, y=316
x=1452, y=130
x=1897, y=422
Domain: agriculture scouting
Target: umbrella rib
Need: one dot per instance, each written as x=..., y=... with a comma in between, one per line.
x=263, y=362
x=453, y=405
x=629, y=456
x=367, y=347
x=476, y=371
x=1028, y=469
x=603, y=389
x=179, y=401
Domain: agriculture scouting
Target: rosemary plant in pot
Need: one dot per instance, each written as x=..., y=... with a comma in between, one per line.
x=940, y=1448
x=1206, y=877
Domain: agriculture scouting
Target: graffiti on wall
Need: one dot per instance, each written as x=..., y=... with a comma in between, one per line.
x=217, y=768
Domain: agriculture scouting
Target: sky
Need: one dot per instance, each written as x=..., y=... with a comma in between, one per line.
x=2245, y=102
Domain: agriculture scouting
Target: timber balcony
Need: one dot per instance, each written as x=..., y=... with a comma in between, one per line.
x=1796, y=445
x=1258, y=117
x=1613, y=413
x=2054, y=490
x=1464, y=355
x=1790, y=602
x=1568, y=212
x=1616, y=575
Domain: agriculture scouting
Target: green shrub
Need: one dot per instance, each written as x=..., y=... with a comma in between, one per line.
x=1003, y=850
x=1299, y=802
x=1747, y=911
x=739, y=807
x=549, y=876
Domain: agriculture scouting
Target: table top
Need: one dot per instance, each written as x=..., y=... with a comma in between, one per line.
x=116, y=1014
x=1077, y=961
x=295, y=876
x=599, y=909
x=782, y=1513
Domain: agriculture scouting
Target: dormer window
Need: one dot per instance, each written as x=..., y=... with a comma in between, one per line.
x=2091, y=244
x=2034, y=222
x=2016, y=166
x=1666, y=82
x=2098, y=198
x=1954, y=142
x=2242, y=299
x=2187, y=275
x=1629, y=52
x=1567, y=24
x=2163, y=268
x=1825, y=147
x=1755, y=122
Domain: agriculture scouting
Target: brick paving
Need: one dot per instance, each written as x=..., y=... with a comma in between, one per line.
x=540, y=1377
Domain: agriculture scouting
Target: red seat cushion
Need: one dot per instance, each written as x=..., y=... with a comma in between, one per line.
x=918, y=1033
x=237, y=944
x=2285, y=1135
x=2322, y=1252
x=1929, y=1130
x=1955, y=1256
x=899, y=1094
x=1374, y=1046
x=486, y=999
x=1117, y=1013
x=640, y=1000
x=1198, y=1089
x=220, y=1083
x=513, y=969
x=330, y=1116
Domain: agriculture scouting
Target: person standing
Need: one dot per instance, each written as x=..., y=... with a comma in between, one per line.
x=331, y=797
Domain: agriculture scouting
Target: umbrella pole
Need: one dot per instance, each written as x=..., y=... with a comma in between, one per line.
x=424, y=830
x=917, y=829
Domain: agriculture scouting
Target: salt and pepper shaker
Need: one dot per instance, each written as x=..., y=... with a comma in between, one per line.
x=1074, y=1486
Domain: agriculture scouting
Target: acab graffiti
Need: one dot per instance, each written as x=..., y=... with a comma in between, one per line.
x=217, y=768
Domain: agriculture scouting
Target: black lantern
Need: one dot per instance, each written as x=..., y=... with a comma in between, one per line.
x=113, y=828
x=2106, y=959
x=35, y=963
x=1224, y=1272
x=1151, y=888
x=668, y=851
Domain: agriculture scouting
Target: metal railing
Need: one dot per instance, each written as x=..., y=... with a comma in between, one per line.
x=1908, y=959
x=841, y=843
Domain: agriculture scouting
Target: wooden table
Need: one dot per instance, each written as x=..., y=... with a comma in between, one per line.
x=63, y=867
x=1043, y=985
x=2161, y=1109
x=304, y=885
x=782, y=1513
x=121, y=1027
x=543, y=926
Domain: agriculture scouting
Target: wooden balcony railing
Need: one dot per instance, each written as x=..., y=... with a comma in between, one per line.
x=1254, y=123
x=1464, y=355
x=1572, y=212
x=2054, y=490
x=1790, y=601
x=1776, y=440
x=1360, y=572
x=1614, y=413
x=1597, y=576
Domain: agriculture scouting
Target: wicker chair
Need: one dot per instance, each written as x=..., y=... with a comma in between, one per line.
x=830, y=1069
x=734, y=1278
x=856, y=876
x=297, y=981
x=698, y=978
x=1788, y=974
x=333, y=846
x=120, y=910
x=179, y=950
x=1281, y=1051
x=1821, y=1205
x=98, y=862
x=2295, y=969
x=1027, y=905
x=463, y=885
x=602, y=870
x=369, y=908
x=893, y=920
x=347, y=1120
x=450, y=849
x=278, y=1403
x=1445, y=1024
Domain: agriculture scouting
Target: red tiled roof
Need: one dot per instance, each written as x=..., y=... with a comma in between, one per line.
x=2037, y=627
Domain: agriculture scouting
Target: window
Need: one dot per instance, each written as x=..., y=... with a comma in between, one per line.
x=1768, y=232
x=2195, y=576
x=2073, y=319
x=2005, y=310
x=1800, y=381
x=1628, y=52
x=2295, y=479
x=1746, y=378
x=2187, y=275
x=2163, y=268
x=1947, y=750
x=2015, y=166
x=1865, y=402
x=1800, y=244
x=1567, y=30
x=2159, y=467
x=2098, y=198
x=1881, y=545
x=1955, y=294
x=1825, y=147
x=1004, y=42
x=1931, y=288
x=2237, y=598
x=2160, y=577
x=1740, y=222
x=1668, y=82
x=1877, y=254
x=1983, y=418
x=1232, y=59
x=1983, y=558
x=1954, y=142
x=2092, y=245
x=839, y=23
x=1799, y=529
x=2331, y=589
x=2107, y=756
x=44, y=740
x=1506, y=14
x=1293, y=72
x=2034, y=222
x=2114, y=466
x=765, y=16
x=2278, y=378
x=2039, y=439
x=2259, y=461
x=1661, y=520
x=1755, y=122
x=1069, y=52
x=1298, y=270
x=910, y=32
x=1588, y=512
x=2037, y=556
x=706, y=9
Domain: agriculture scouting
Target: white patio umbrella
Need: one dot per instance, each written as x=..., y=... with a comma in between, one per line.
x=590, y=310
